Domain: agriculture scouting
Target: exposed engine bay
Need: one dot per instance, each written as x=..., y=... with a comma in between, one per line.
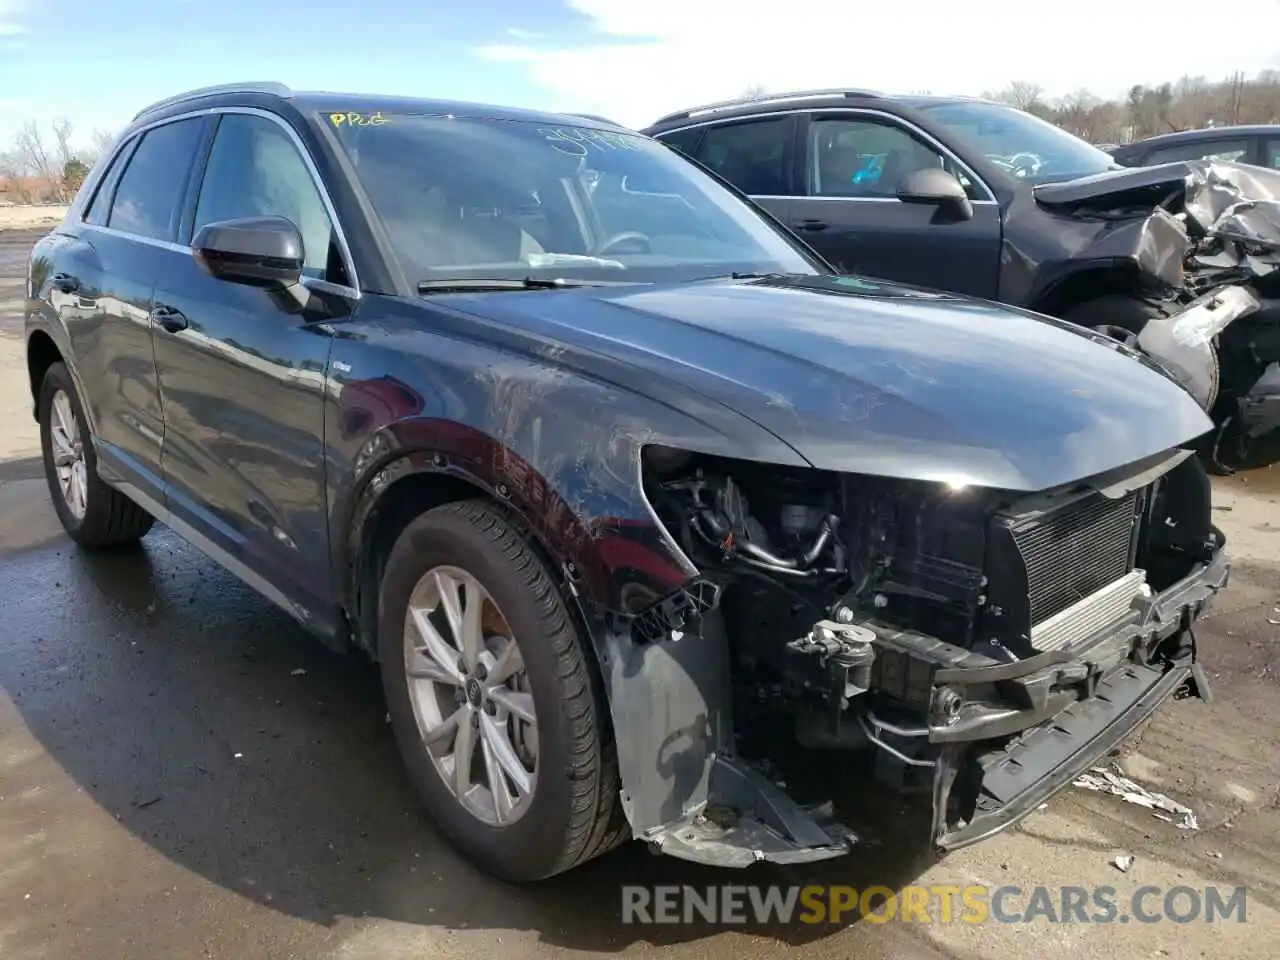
x=930, y=630
x=1205, y=236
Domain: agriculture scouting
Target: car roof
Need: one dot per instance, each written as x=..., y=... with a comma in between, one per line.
x=1207, y=133
x=319, y=101
x=772, y=103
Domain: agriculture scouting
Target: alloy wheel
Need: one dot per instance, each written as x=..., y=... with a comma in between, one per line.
x=68, y=455
x=470, y=695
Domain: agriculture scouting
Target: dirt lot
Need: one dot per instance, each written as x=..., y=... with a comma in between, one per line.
x=170, y=787
x=27, y=217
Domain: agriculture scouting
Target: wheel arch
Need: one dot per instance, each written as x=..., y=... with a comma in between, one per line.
x=594, y=556
x=42, y=353
x=1084, y=282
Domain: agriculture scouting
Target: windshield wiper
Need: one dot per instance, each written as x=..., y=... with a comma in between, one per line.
x=485, y=284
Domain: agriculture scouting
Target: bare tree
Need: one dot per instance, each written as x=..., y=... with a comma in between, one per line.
x=753, y=92
x=35, y=158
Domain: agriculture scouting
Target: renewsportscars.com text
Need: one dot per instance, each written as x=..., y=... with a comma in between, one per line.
x=931, y=904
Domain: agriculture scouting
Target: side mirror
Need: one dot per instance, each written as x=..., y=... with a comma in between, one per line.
x=258, y=251
x=936, y=187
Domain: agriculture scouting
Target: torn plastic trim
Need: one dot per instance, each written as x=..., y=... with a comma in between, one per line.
x=748, y=820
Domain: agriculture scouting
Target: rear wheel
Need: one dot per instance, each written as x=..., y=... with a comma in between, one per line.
x=494, y=706
x=93, y=514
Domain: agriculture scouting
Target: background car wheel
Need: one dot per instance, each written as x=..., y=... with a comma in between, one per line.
x=494, y=704
x=92, y=513
x=1115, y=310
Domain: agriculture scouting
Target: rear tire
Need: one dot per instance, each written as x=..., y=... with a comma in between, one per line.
x=569, y=809
x=93, y=514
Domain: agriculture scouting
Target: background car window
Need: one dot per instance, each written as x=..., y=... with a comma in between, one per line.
x=1272, y=154
x=749, y=155
x=869, y=158
x=147, y=199
x=683, y=140
x=255, y=170
x=1233, y=150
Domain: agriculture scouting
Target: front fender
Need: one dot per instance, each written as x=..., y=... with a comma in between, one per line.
x=556, y=433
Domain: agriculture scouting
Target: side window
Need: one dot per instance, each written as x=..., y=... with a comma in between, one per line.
x=150, y=192
x=1234, y=150
x=96, y=212
x=749, y=155
x=255, y=170
x=1271, y=154
x=683, y=140
x=869, y=158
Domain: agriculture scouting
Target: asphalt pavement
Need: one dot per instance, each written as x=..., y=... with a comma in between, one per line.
x=185, y=773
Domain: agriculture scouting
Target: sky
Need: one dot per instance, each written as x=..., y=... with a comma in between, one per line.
x=97, y=63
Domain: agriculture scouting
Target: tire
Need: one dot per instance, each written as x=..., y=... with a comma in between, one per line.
x=102, y=517
x=1122, y=310
x=573, y=812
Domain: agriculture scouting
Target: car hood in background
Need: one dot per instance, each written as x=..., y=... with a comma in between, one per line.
x=875, y=378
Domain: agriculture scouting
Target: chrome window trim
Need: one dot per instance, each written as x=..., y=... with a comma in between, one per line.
x=906, y=124
x=353, y=291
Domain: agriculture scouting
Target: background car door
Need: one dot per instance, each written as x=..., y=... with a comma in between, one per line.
x=108, y=282
x=754, y=155
x=851, y=166
x=243, y=379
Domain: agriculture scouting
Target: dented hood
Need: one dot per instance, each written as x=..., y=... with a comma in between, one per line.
x=882, y=379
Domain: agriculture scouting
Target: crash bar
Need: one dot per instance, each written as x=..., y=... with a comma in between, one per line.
x=771, y=98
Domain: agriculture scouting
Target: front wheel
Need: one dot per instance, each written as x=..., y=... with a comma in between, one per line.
x=92, y=513
x=493, y=702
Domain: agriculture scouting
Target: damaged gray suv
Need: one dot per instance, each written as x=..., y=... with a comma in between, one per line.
x=641, y=509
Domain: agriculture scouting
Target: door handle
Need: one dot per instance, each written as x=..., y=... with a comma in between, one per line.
x=172, y=320
x=812, y=225
x=66, y=283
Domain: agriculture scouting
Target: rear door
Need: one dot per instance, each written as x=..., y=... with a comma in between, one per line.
x=850, y=165
x=755, y=155
x=130, y=224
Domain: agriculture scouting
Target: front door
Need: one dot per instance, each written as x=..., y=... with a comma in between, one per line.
x=848, y=209
x=243, y=378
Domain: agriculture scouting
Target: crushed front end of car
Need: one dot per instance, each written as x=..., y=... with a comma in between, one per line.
x=853, y=642
x=1205, y=238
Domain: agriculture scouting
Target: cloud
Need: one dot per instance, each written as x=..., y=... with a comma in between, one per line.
x=634, y=62
x=9, y=10
x=521, y=34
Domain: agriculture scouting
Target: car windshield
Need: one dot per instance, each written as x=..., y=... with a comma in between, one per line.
x=514, y=200
x=1021, y=143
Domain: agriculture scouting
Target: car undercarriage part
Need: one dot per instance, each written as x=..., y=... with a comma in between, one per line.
x=969, y=645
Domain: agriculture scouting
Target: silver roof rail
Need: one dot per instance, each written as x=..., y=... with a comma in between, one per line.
x=266, y=86
x=767, y=99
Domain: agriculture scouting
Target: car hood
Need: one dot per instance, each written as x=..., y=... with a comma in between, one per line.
x=882, y=379
x=1130, y=184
